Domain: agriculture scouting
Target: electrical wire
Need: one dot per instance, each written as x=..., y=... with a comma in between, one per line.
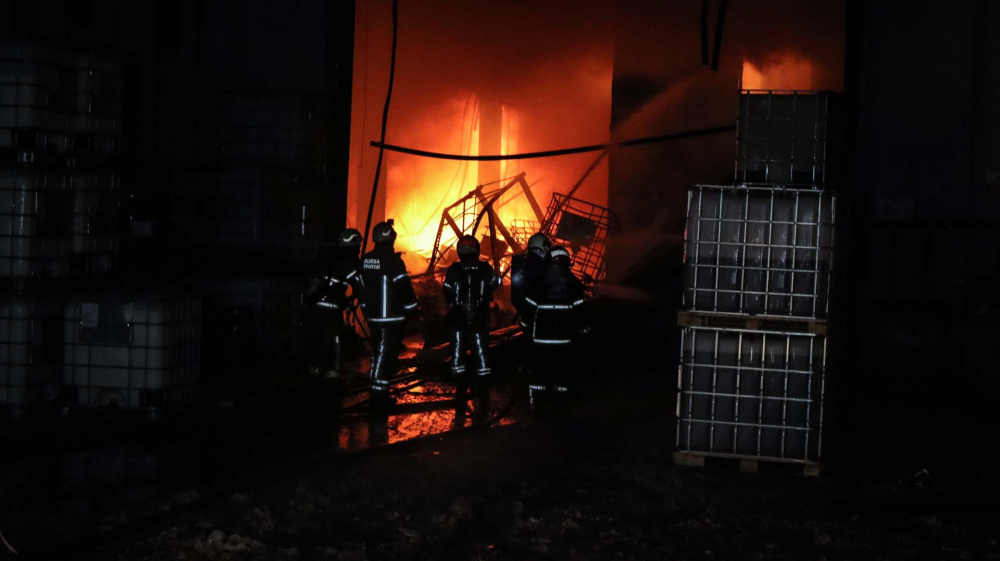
x=719, y=23
x=364, y=95
x=385, y=120
x=704, y=32
x=553, y=153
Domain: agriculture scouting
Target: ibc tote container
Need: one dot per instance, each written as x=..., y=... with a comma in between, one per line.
x=273, y=212
x=30, y=350
x=96, y=210
x=788, y=137
x=764, y=251
x=36, y=215
x=98, y=106
x=282, y=130
x=253, y=314
x=36, y=105
x=751, y=394
x=140, y=351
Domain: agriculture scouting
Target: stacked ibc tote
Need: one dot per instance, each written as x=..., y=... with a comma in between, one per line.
x=758, y=263
x=253, y=225
x=38, y=87
x=60, y=185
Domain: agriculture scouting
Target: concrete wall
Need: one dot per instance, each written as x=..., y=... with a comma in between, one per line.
x=927, y=97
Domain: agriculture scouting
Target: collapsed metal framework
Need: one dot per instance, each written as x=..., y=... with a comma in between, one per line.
x=582, y=227
x=465, y=216
x=522, y=230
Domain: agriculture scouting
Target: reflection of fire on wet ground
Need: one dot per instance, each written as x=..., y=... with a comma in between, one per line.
x=425, y=396
x=428, y=408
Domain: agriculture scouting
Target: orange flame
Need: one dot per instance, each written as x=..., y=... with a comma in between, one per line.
x=784, y=71
x=421, y=188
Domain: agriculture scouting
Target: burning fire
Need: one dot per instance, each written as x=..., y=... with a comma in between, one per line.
x=454, y=92
x=420, y=188
x=784, y=71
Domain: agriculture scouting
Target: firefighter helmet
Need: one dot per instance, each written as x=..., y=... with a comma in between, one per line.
x=349, y=238
x=383, y=232
x=559, y=255
x=539, y=242
x=467, y=247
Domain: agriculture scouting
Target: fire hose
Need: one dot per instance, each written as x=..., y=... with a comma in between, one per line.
x=552, y=153
x=7, y=544
x=385, y=119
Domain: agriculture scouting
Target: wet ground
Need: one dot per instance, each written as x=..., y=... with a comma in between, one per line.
x=294, y=477
x=72, y=479
x=591, y=480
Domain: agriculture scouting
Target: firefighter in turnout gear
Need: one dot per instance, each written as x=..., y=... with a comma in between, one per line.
x=525, y=271
x=387, y=298
x=468, y=290
x=556, y=302
x=327, y=301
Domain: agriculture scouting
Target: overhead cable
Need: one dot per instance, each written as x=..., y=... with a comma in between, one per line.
x=553, y=153
x=385, y=119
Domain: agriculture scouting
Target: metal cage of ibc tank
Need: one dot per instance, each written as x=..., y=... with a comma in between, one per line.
x=751, y=394
x=36, y=216
x=583, y=228
x=522, y=230
x=60, y=131
x=37, y=86
x=284, y=130
x=788, y=137
x=141, y=352
x=96, y=210
x=250, y=321
x=30, y=354
x=762, y=251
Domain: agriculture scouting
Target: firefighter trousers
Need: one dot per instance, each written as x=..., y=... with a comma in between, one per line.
x=386, y=340
x=474, y=340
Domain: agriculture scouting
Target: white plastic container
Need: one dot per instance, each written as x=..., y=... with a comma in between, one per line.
x=87, y=123
x=35, y=118
x=96, y=211
x=133, y=352
x=35, y=222
x=282, y=129
x=252, y=315
x=30, y=350
x=22, y=95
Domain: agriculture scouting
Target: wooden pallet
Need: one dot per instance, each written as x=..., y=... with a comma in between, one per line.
x=687, y=318
x=746, y=465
